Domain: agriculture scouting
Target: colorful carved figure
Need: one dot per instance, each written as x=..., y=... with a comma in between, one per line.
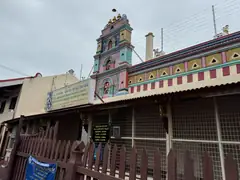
x=226, y=29
x=108, y=65
x=110, y=45
x=106, y=87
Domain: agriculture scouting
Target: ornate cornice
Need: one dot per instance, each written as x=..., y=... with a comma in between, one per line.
x=115, y=31
x=114, y=50
x=111, y=71
x=167, y=64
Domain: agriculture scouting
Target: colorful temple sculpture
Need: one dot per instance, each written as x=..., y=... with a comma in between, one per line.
x=113, y=58
x=211, y=63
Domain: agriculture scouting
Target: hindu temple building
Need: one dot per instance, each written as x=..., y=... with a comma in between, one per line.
x=185, y=100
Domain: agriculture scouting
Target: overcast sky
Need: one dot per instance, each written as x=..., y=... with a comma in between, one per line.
x=53, y=36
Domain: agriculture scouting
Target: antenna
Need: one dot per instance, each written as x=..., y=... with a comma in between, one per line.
x=214, y=20
x=81, y=72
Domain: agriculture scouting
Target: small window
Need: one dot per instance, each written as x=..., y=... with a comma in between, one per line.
x=13, y=103
x=2, y=107
x=195, y=65
x=108, y=65
x=151, y=76
x=110, y=45
x=178, y=70
x=164, y=73
x=213, y=61
x=130, y=82
x=235, y=55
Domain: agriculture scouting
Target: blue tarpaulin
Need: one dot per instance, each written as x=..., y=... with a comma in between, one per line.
x=38, y=171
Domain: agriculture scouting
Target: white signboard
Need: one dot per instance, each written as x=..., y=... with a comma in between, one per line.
x=80, y=93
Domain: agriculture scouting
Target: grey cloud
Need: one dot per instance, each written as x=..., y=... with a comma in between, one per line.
x=53, y=36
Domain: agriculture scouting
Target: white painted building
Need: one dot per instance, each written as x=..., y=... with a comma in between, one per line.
x=25, y=96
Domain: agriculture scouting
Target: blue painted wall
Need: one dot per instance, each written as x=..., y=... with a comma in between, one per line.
x=96, y=65
x=126, y=55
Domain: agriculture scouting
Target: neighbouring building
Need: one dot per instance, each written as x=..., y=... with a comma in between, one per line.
x=27, y=97
x=10, y=90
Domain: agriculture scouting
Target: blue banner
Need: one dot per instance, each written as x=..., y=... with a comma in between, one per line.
x=38, y=171
x=101, y=152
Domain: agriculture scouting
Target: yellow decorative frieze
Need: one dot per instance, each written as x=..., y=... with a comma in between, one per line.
x=152, y=74
x=164, y=71
x=194, y=64
x=132, y=80
x=233, y=54
x=213, y=59
x=178, y=68
x=140, y=78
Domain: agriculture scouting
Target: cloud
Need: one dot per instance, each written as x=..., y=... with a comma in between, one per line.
x=53, y=36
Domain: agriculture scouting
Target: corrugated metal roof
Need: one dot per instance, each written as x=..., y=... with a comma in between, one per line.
x=173, y=89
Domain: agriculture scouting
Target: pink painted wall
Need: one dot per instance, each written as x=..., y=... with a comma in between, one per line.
x=123, y=80
x=115, y=57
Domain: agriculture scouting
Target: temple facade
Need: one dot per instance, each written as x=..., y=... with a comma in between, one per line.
x=113, y=58
x=185, y=100
x=212, y=63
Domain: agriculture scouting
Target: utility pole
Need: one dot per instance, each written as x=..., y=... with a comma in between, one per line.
x=214, y=20
x=162, y=39
x=81, y=72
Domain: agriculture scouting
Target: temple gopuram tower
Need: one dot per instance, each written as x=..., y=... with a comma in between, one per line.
x=113, y=57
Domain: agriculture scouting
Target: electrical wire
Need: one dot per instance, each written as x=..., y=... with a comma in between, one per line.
x=200, y=20
x=13, y=70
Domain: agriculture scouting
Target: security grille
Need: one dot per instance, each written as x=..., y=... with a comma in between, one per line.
x=128, y=145
x=207, y=124
x=194, y=129
x=150, y=134
x=122, y=118
x=148, y=123
x=197, y=150
x=229, y=115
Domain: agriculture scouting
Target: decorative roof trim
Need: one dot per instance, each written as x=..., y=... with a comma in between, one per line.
x=114, y=32
x=113, y=50
x=190, y=51
x=197, y=56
